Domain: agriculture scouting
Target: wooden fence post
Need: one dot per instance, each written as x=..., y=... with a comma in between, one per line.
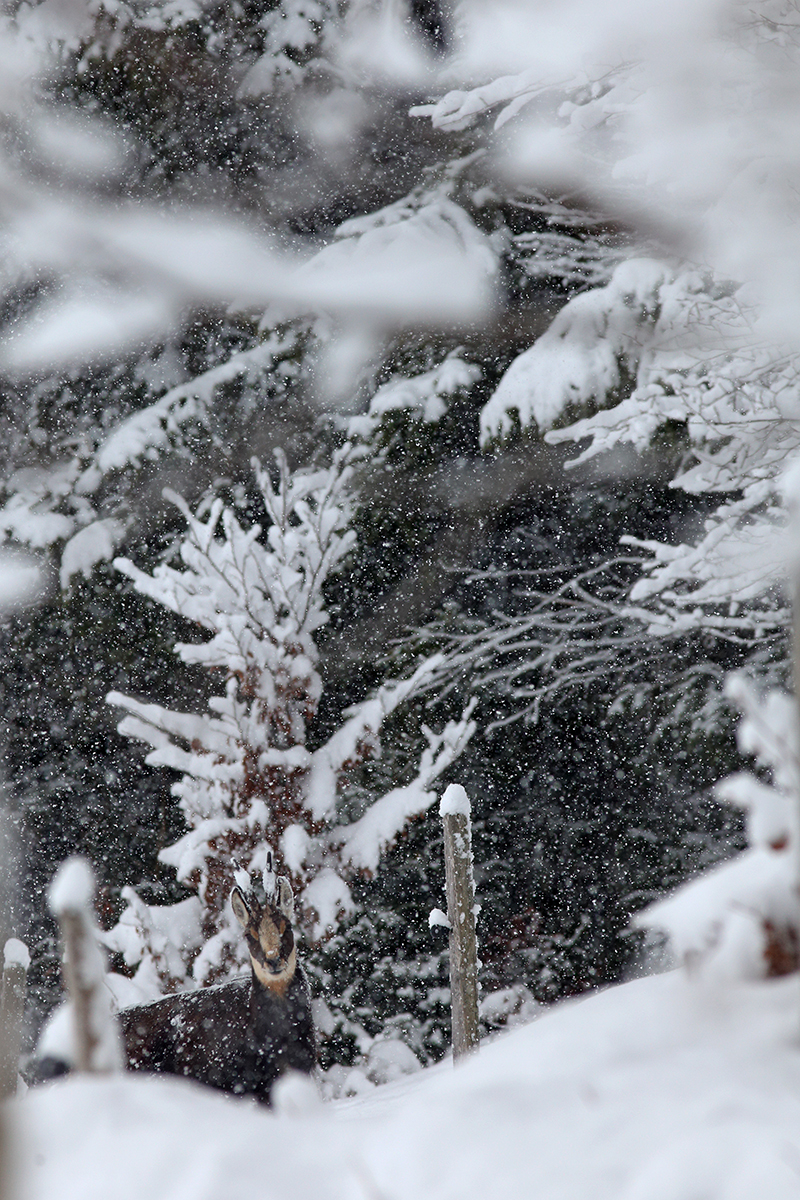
x=96, y=1044
x=461, y=910
x=16, y=961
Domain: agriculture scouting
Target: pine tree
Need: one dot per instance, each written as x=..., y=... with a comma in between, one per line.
x=689, y=346
x=250, y=774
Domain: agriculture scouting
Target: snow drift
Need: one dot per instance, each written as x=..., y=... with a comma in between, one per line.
x=661, y=1089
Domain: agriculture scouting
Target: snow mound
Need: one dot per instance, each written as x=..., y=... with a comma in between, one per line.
x=660, y=1089
x=581, y=357
x=73, y=887
x=16, y=953
x=455, y=800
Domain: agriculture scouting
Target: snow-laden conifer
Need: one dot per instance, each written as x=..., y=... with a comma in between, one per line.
x=248, y=775
x=686, y=345
x=742, y=919
x=695, y=343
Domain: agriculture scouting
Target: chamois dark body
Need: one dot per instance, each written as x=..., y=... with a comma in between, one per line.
x=238, y=1036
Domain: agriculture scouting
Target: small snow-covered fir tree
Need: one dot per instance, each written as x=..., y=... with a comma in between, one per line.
x=248, y=776
x=742, y=919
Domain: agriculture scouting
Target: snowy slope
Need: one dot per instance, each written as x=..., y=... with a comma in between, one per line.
x=661, y=1089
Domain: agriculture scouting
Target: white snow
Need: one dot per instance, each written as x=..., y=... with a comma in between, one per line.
x=148, y=432
x=455, y=800
x=73, y=887
x=57, y=1038
x=22, y=580
x=156, y=936
x=70, y=895
x=83, y=325
x=428, y=264
x=661, y=1089
x=16, y=953
x=720, y=914
x=729, y=922
x=424, y=396
x=459, y=109
x=295, y=844
x=28, y=516
x=85, y=549
x=364, y=841
x=580, y=357
x=243, y=880
x=328, y=896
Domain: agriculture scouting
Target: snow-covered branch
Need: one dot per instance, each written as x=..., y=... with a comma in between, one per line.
x=362, y=844
x=742, y=919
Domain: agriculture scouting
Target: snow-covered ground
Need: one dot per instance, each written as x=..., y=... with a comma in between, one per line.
x=661, y=1089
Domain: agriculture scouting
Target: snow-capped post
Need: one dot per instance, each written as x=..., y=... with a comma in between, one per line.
x=16, y=961
x=96, y=1045
x=461, y=912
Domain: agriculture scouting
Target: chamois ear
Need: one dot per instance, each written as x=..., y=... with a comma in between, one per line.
x=239, y=906
x=285, y=898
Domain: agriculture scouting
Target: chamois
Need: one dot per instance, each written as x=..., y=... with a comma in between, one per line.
x=238, y=1036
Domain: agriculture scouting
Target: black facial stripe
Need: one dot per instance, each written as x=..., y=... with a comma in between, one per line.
x=254, y=946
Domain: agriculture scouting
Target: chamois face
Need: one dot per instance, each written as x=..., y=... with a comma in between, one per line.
x=268, y=931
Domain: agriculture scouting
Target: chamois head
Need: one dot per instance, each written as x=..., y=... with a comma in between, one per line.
x=265, y=913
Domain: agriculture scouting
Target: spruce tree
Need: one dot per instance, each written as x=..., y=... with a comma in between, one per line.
x=250, y=772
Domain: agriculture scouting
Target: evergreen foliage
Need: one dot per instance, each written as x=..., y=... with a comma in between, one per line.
x=250, y=774
x=466, y=526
